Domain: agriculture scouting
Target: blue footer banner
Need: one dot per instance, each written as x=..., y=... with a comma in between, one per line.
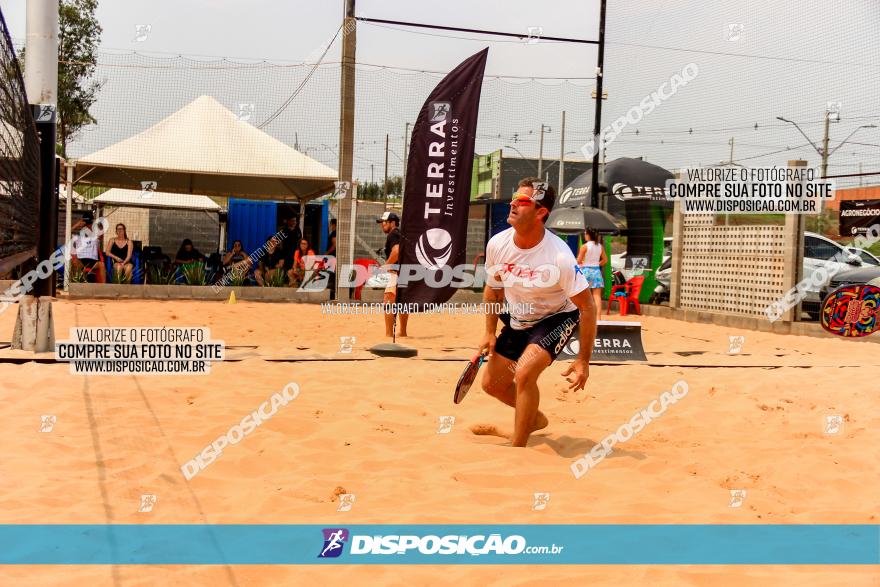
x=195, y=544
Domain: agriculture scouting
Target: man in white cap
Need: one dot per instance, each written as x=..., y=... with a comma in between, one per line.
x=391, y=227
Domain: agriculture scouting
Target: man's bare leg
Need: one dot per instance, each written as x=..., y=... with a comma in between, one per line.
x=530, y=366
x=388, y=298
x=404, y=318
x=498, y=381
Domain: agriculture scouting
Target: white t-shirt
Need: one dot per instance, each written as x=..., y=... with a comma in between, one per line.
x=85, y=247
x=538, y=282
x=594, y=254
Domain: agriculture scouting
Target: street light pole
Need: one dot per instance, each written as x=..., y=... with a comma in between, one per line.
x=541, y=151
x=385, y=185
x=597, y=122
x=825, y=145
x=521, y=155
x=562, y=153
x=405, y=158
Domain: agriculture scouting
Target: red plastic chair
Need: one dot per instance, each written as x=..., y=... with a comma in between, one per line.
x=95, y=271
x=632, y=288
x=363, y=263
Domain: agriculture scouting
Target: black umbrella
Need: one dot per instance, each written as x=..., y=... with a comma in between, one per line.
x=577, y=220
x=633, y=179
x=625, y=179
x=577, y=191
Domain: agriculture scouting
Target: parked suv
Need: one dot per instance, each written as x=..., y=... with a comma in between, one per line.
x=821, y=252
x=854, y=276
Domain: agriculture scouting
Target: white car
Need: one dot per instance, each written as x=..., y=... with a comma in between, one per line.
x=823, y=253
x=866, y=257
x=618, y=261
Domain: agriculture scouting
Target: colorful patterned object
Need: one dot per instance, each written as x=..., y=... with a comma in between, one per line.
x=852, y=310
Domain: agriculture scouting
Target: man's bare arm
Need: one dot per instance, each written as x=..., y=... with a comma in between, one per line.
x=580, y=367
x=392, y=258
x=491, y=297
x=587, y=328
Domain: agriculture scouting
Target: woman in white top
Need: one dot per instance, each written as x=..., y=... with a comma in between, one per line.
x=591, y=260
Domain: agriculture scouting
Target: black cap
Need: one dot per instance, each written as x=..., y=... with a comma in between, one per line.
x=388, y=216
x=544, y=194
x=88, y=216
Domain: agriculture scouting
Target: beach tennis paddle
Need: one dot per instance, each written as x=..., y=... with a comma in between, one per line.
x=851, y=311
x=467, y=377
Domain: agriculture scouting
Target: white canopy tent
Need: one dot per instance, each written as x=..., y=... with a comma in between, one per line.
x=204, y=148
x=141, y=199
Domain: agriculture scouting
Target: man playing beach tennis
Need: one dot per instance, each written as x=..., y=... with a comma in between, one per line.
x=535, y=272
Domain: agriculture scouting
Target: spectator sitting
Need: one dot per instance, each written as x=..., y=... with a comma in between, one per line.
x=119, y=249
x=298, y=272
x=291, y=235
x=237, y=259
x=331, y=247
x=271, y=262
x=187, y=253
x=85, y=250
x=331, y=250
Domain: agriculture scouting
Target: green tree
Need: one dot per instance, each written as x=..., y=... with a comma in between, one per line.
x=78, y=39
x=373, y=191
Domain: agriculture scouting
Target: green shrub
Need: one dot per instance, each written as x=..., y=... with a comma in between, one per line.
x=119, y=276
x=77, y=274
x=275, y=278
x=160, y=275
x=194, y=274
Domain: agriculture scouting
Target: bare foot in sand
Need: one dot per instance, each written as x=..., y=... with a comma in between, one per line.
x=541, y=422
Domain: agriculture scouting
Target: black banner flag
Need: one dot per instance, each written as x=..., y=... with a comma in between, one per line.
x=857, y=216
x=438, y=186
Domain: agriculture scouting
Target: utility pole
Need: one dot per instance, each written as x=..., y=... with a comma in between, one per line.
x=385, y=185
x=541, y=153
x=597, y=122
x=34, y=328
x=562, y=154
x=405, y=159
x=825, y=154
x=346, y=212
x=825, y=145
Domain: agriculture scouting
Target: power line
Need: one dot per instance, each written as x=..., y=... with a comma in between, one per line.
x=287, y=102
x=746, y=55
x=380, y=21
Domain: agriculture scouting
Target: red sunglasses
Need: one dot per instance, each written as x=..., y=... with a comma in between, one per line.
x=520, y=199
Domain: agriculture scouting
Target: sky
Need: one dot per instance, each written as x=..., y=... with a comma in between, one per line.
x=756, y=60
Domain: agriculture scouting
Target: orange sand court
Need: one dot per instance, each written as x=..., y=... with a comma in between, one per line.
x=370, y=428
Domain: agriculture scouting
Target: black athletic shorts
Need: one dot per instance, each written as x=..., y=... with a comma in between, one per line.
x=550, y=334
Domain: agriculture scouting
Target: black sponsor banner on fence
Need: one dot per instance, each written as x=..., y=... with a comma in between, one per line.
x=615, y=341
x=438, y=181
x=856, y=216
